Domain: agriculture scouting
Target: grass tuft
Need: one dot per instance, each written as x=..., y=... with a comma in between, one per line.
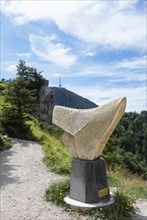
x=56, y=192
x=122, y=208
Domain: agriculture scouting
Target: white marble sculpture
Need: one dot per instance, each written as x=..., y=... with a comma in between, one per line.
x=86, y=131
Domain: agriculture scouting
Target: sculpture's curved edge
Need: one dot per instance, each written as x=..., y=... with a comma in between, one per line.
x=102, y=107
x=100, y=143
x=119, y=113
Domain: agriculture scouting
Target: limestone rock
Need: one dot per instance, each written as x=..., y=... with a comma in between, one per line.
x=46, y=104
x=86, y=131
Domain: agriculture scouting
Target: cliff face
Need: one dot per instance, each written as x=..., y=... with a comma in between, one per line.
x=46, y=104
x=50, y=96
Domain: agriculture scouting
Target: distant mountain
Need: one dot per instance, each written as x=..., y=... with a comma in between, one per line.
x=70, y=99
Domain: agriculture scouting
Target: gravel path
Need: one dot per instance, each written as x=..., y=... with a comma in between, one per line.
x=23, y=180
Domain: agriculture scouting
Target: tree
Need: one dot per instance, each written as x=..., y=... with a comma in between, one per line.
x=20, y=101
x=31, y=74
x=133, y=164
x=18, y=94
x=131, y=134
x=22, y=69
x=22, y=97
x=113, y=154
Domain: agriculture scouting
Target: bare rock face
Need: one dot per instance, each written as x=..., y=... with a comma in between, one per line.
x=46, y=104
x=87, y=131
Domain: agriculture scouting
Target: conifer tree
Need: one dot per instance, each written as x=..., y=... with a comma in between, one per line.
x=35, y=79
x=20, y=101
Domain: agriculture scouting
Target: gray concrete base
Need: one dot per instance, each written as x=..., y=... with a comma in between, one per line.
x=81, y=206
x=89, y=182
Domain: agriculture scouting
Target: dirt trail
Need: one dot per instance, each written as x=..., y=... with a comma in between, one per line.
x=23, y=180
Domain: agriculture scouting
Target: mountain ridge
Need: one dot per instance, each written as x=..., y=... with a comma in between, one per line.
x=67, y=98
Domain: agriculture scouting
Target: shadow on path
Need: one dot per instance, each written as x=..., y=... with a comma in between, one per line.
x=6, y=168
x=8, y=165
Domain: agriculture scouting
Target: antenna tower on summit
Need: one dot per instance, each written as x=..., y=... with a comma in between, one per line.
x=60, y=82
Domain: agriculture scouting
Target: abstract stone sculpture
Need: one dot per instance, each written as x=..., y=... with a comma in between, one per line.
x=86, y=132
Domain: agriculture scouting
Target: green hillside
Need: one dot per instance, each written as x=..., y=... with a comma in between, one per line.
x=127, y=146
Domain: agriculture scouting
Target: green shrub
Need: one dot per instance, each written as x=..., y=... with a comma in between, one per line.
x=56, y=192
x=5, y=142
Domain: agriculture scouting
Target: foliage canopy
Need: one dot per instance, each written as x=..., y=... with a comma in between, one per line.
x=21, y=97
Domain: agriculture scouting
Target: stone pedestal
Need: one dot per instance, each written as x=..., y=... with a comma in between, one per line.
x=89, y=181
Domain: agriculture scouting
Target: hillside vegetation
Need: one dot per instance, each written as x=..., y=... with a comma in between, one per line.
x=127, y=146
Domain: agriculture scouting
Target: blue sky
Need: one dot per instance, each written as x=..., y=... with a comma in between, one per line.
x=97, y=47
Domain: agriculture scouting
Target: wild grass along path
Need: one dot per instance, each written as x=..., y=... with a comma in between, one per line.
x=23, y=180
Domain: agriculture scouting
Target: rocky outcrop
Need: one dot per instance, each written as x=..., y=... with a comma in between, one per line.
x=46, y=104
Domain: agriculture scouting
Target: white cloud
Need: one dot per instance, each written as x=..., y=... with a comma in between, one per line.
x=136, y=97
x=90, y=53
x=11, y=68
x=8, y=69
x=56, y=75
x=120, y=70
x=131, y=69
x=46, y=48
x=111, y=24
x=24, y=55
x=133, y=63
